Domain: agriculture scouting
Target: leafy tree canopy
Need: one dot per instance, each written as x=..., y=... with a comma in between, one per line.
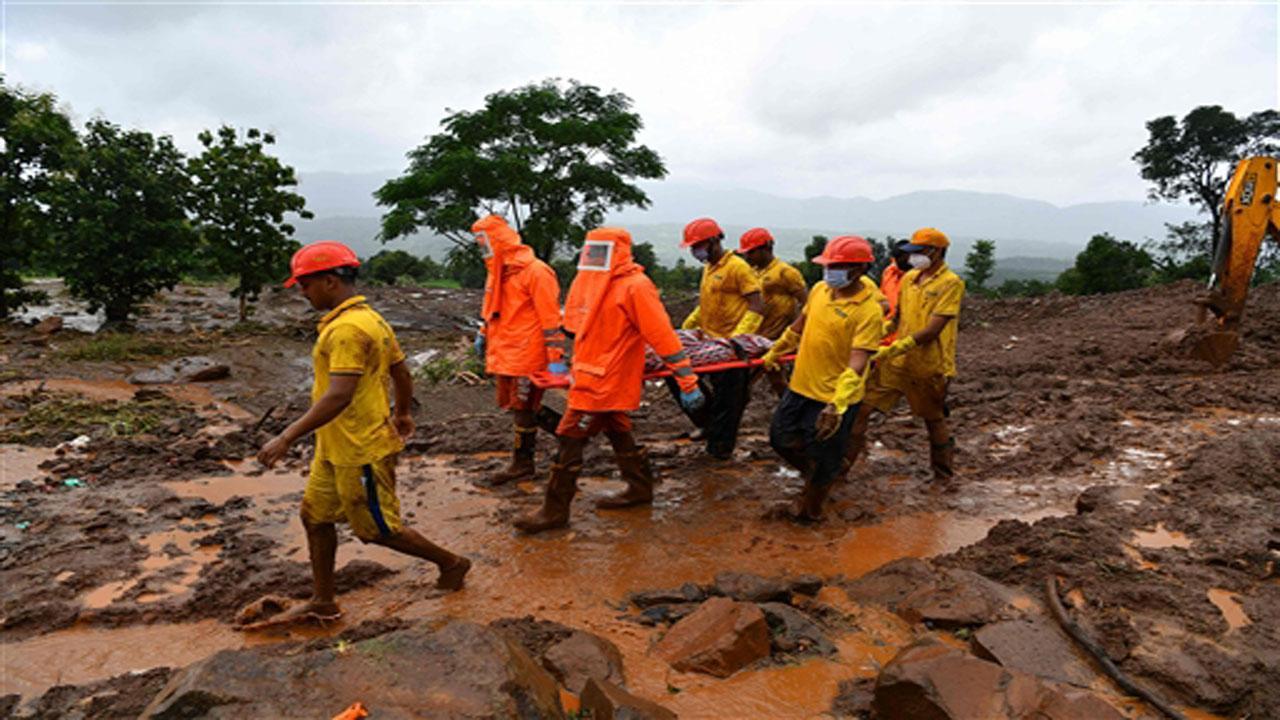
x=552, y=157
x=37, y=144
x=122, y=231
x=1192, y=159
x=1106, y=265
x=239, y=196
x=980, y=263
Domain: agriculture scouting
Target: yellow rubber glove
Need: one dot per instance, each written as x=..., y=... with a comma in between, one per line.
x=749, y=323
x=849, y=389
x=692, y=322
x=899, y=347
x=789, y=341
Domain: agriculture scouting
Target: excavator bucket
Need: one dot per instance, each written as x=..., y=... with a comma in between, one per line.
x=1216, y=348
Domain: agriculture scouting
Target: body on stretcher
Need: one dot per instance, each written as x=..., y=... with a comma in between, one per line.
x=547, y=381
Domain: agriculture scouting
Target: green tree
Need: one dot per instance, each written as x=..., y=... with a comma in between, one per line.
x=1106, y=265
x=122, y=229
x=1024, y=288
x=1192, y=160
x=239, y=197
x=980, y=263
x=465, y=264
x=552, y=157
x=37, y=144
x=389, y=267
x=812, y=271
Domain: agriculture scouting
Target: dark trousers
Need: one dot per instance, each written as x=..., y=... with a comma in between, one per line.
x=793, y=435
x=727, y=392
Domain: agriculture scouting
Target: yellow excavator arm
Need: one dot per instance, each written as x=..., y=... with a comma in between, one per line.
x=1250, y=212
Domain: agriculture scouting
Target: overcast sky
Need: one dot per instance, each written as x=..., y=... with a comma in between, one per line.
x=1047, y=102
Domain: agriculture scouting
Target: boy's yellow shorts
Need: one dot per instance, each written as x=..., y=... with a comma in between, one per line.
x=362, y=495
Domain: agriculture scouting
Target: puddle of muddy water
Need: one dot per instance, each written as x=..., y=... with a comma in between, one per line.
x=1231, y=606
x=1160, y=538
x=19, y=462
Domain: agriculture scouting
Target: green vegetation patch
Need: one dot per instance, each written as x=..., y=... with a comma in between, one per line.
x=122, y=347
x=55, y=416
x=443, y=368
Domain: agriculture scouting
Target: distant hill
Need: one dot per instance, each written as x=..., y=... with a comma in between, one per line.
x=1034, y=239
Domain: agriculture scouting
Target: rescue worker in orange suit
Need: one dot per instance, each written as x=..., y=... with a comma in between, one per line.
x=520, y=336
x=920, y=363
x=891, y=278
x=612, y=312
x=730, y=302
x=835, y=337
x=358, y=435
x=784, y=291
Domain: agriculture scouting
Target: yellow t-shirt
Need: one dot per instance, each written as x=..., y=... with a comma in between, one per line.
x=833, y=328
x=939, y=294
x=355, y=340
x=722, y=296
x=781, y=283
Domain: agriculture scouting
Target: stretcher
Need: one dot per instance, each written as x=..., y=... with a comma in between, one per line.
x=548, y=381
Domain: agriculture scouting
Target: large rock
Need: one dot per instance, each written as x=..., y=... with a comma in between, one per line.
x=719, y=639
x=460, y=671
x=1034, y=646
x=688, y=592
x=794, y=632
x=196, y=368
x=581, y=657
x=605, y=701
x=932, y=681
x=961, y=598
x=750, y=587
x=889, y=584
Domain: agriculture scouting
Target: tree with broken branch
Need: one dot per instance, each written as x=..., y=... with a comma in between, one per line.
x=551, y=157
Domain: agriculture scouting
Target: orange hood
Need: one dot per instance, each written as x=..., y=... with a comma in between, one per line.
x=507, y=254
x=606, y=254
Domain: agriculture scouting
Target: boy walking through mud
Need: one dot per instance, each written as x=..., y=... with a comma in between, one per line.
x=920, y=363
x=358, y=437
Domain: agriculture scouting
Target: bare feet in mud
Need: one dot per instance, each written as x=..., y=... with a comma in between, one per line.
x=453, y=577
x=308, y=613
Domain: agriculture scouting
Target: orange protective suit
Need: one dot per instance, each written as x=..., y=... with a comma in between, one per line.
x=521, y=303
x=890, y=282
x=613, y=310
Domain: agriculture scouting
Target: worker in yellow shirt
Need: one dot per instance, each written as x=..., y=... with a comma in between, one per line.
x=783, y=286
x=920, y=363
x=730, y=303
x=358, y=435
x=785, y=292
x=836, y=335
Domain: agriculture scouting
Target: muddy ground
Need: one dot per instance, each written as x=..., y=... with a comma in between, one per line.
x=133, y=551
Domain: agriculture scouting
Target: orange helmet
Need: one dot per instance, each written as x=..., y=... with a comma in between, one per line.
x=846, y=249
x=927, y=237
x=318, y=257
x=754, y=238
x=700, y=230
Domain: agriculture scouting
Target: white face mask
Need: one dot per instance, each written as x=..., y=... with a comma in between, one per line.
x=919, y=261
x=485, y=249
x=836, y=278
x=701, y=253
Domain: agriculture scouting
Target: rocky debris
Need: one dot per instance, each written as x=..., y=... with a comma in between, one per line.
x=196, y=368
x=720, y=638
x=606, y=701
x=1110, y=495
x=1034, y=646
x=461, y=671
x=749, y=587
x=853, y=698
x=686, y=593
x=667, y=614
x=581, y=657
x=806, y=584
x=533, y=634
x=49, y=325
x=930, y=680
x=947, y=598
x=794, y=633
x=118, y=697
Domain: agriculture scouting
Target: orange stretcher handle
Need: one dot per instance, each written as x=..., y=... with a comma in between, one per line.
x=547, y=381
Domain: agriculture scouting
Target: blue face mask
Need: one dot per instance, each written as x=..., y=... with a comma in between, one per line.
x=701, y=253
x=836, y=278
